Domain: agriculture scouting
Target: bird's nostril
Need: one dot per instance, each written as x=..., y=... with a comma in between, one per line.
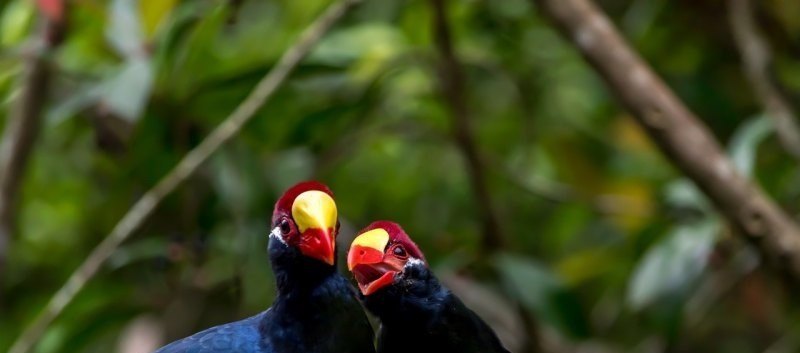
x=362, y=252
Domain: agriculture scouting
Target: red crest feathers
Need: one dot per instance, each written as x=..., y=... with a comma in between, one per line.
x=397, y=235
x=284, y=204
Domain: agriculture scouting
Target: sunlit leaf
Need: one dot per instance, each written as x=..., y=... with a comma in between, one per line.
x=124, y=30
x=15, y=21
x=745, y=141
x=684, y=193
x=672, y=265
x=154, y=12
x=585, y=265
x=126, y=93
x=375, y=40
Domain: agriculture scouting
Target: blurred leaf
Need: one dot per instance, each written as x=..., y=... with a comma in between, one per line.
x=126, y=93
x=352, y=43
x=154, y=13
x=581, y=266
x=743, y=147
x=237, y=177
x=673, y=264
x=195, y=59
x=124, y=30
x=15, y=21
x=684, y=193
x=629, y=194
x=371, y=46
x=541, y=291
x=53, y=339
x=80, y=99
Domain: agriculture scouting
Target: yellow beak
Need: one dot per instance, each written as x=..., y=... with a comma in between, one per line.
x=367, y=248
x=315, y=214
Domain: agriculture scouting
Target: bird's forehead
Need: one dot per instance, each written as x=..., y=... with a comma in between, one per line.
x=284, y=204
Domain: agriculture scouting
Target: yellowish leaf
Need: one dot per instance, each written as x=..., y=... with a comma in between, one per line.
x=153, y=13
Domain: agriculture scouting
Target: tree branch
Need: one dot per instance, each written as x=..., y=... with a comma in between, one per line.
x=756, y=62
x=143, y=208
x=677, y=131
x=23, y=126
x=452, y=85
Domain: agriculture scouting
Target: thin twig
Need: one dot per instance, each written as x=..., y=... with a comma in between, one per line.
x=452, y=86
x=134, y=218
x=24, y=124
x=679, y=134
x=756, y=63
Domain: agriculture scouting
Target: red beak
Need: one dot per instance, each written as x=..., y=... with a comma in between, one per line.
x=318, y=244
x=363, y=255
x=366, y=260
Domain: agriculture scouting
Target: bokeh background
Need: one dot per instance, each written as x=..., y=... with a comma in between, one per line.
x=600, y=244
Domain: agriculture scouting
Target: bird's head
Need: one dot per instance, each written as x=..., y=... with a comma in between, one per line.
x=380, y=253
x=305, y=217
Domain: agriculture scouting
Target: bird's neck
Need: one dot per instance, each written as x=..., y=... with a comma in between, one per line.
x=415, y=298
x=297, y=275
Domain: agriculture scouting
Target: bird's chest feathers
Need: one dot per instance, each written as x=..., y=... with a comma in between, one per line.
x=307, y=322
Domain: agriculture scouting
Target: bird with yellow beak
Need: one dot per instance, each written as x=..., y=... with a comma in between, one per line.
x=306, y=218
x=316, y=309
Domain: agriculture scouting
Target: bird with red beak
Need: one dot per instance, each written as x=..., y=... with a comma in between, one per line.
x=316, y=309
x=306, y=218
x=379, y=254
x=417, y=313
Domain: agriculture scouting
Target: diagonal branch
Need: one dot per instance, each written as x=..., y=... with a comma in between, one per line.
x=677, y=131
x=452, y=86
x=23, y=126
x=756, y=63
x=143, y=208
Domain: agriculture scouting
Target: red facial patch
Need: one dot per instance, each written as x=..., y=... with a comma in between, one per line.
x=397, y=236
x=376, y=268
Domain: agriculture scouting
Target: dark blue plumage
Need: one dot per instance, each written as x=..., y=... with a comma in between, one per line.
x=239, y=336
x=418, y=314
x=316, y=309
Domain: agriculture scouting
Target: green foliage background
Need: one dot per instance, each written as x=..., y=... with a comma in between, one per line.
x=607, y=247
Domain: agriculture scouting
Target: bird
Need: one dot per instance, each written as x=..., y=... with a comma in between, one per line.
x=417, y=313
x=316, y=309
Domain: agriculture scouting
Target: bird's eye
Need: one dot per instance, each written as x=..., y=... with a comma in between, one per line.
x=399, y=251
x=285, y=226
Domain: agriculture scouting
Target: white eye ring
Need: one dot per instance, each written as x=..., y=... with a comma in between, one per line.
x=276, y=233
